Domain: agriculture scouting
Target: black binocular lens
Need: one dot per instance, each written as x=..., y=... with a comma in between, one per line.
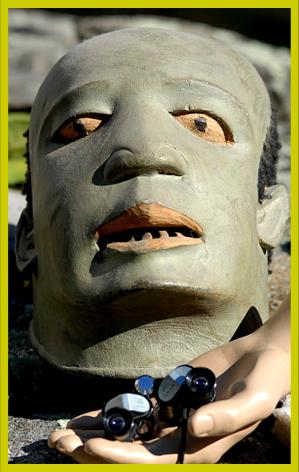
x=117, y=422
x=199, y=384
x=124, y=414
x=202, y=382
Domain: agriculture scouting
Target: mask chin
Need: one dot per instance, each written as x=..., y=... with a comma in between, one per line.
x=26, y=255
x=272, y=217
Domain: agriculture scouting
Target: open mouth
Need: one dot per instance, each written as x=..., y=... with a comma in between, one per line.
x=148, y=227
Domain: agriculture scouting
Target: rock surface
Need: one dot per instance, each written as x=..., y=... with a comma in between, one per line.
x=28, y=442
x=36, y=42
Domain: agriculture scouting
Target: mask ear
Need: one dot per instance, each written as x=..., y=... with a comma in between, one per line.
x=26, y=256
x=272, y=216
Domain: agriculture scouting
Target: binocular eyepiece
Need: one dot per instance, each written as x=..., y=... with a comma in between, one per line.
x=130, y=414
x=123, y=415
x=188, y=386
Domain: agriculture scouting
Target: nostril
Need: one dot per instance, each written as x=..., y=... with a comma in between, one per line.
x=117, y=164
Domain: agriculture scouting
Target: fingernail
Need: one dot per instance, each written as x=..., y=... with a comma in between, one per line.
x=201, y=425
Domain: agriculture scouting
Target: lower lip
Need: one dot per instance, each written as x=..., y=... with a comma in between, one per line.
x=139, y=247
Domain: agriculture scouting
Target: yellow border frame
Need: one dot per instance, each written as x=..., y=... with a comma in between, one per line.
x=5, y=5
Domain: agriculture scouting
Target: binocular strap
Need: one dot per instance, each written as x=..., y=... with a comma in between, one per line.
x=183, y=443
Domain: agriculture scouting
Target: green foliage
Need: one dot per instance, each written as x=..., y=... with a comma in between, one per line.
x=17, y=124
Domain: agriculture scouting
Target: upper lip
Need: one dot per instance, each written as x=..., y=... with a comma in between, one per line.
x=145, y=217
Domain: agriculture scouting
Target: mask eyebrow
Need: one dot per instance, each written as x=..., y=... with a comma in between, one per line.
x=93, y=97
x=205, y=89
x=193, y=85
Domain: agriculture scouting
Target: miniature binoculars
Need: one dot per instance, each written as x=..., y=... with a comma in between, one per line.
x=124, y=415
x=156, y=404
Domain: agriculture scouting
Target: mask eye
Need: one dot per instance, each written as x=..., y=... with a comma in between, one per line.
x=78, y=127
x=206, y=126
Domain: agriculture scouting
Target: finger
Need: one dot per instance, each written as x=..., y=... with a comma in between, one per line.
x=251, y=399
x=164, y=451
x=79, y=455
x=72, y=446
x=254, y=371
x=218, y=359
x=86, y=434
x=83, y=434
x=116, y=452
x=68, y=443
x=223, y=357
x=209, y=450
x=90, y=420
x=227, y=416
x=58, y=434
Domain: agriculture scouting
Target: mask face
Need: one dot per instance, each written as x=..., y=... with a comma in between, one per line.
x=156, y=136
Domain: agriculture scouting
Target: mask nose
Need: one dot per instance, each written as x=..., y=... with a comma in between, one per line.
x=124, y=164
x=144, y=145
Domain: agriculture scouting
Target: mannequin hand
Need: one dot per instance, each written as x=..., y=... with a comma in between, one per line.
x=86, y=444
x=252, y=376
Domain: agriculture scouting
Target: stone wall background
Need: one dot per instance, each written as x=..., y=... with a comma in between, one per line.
x=37, y=39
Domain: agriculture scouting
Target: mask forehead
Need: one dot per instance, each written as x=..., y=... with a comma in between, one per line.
x=150, y=57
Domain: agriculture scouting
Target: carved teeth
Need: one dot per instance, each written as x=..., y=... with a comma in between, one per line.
x=145, y=215
x=163, y=234
x=147, y=236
